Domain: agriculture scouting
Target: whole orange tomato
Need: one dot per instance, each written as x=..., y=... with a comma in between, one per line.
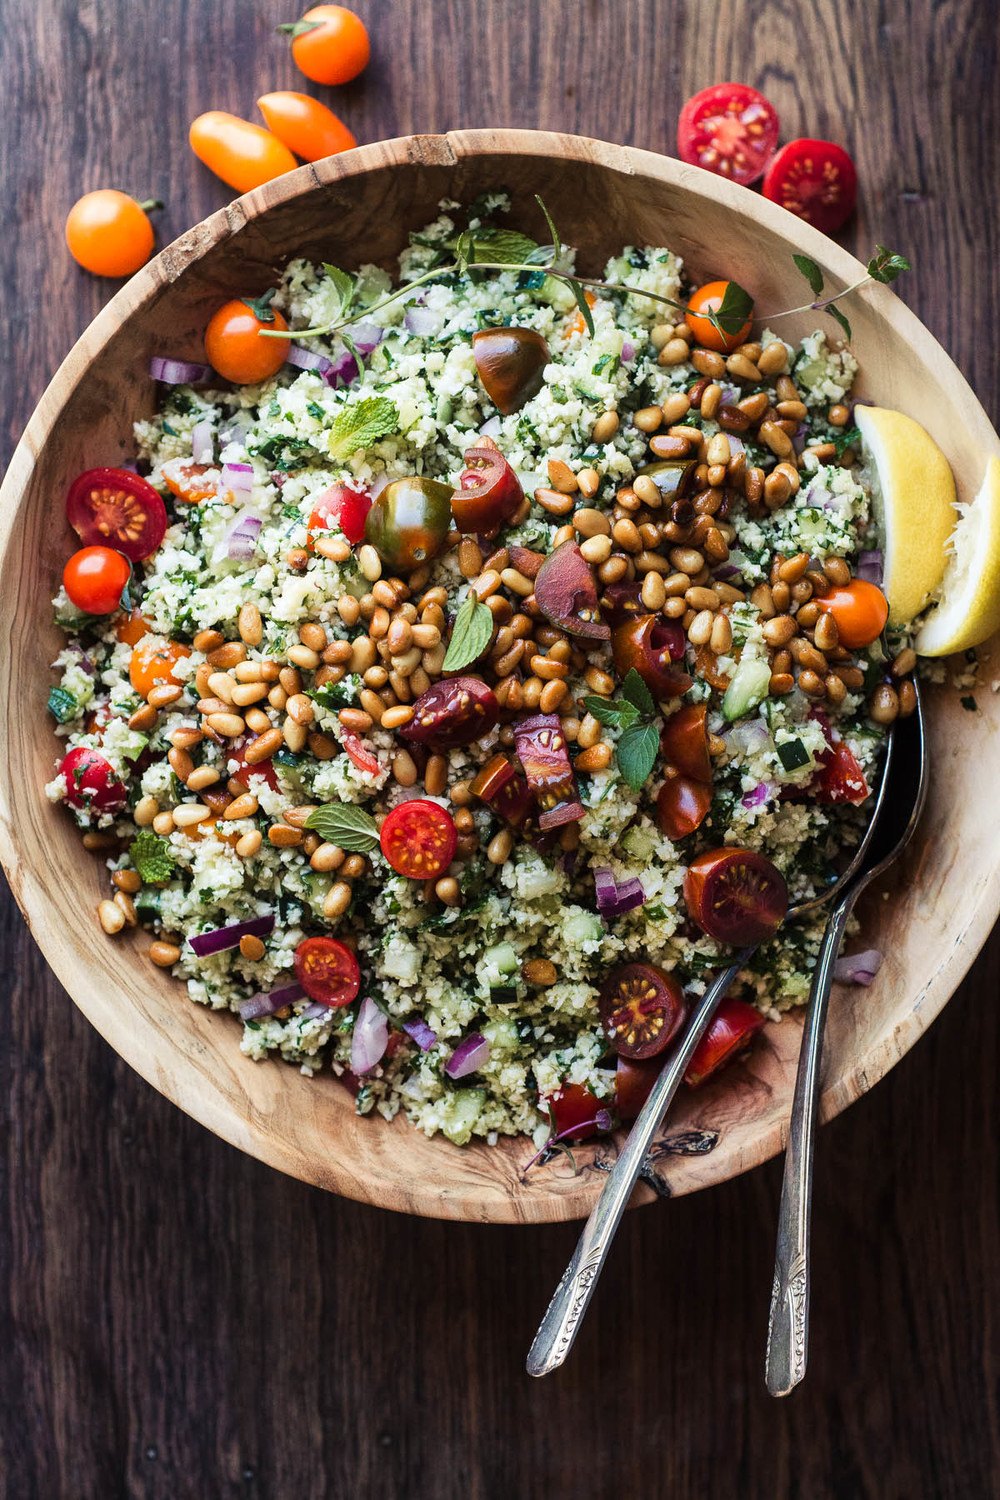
x=109, y=233
x=242, y=154
x=329, y=44
x=860, y=610
x=305, y=125
x=234, y=346
x=706, y=299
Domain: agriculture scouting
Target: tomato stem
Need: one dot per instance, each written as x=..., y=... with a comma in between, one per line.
x=149, y=204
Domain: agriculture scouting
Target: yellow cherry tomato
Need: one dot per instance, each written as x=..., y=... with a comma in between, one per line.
x=151, y=664
x=708, y=298
x=235, y=348
x=305, y=125
x=860, y=610
x=242, y=154
x=330, y=44
x=109, y=233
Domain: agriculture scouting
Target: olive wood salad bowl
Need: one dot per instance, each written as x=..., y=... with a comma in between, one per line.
x=359, y=206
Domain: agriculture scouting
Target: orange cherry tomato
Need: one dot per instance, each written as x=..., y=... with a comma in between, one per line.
x=577, y=324
x=706, y=299
x=235, y=348
x=305, y=125
x=94, y=579
x=242, y=154
x=189, y=481
x=151, y=663
x=132, y=627
x=330, y=44
x=109, y=234
x=860, y=610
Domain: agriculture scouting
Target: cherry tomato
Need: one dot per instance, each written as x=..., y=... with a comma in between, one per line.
x=109, y=233
x=840, y=777
x=91, y=782
x=652, y=646
x=634, y=1084
x=510, y=363
x=860, y=610
x=132, y=627
x=706, y=299
x=419, y=839
x=327, y=971
x=116, y=506
x=361, y=757
x=735, y=896
x=245, y=769
x=243, y=155
x=816, y=180
x=684, y=741
x=732, y=1029
x=235, y=349
x=489, y=492
x=305, y=125
x=622, y=602
x=409, y=521
x=574, y=1111
x=152, y=663
x=189, y=481
x=541, y=749
x=682, y=805
x=94, y=579
x=330, y=44
x=728, y=129
x=341, y=508
x=566, y=593
x=641, y=1009
x=451, y=713
x=505, y=790
x=706, y=664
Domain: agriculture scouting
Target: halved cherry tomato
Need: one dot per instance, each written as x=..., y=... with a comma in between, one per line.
x=860, y=609
x=236, y=751
x=684, y=741
x=735, y=896
x=330, y=44
x=94, y=579
x=733, y=1028
x=622, y=602
x=305, y=125
x=362, y=758
x=541, y=749
x=682, y=805
x=634, y=1084
x=574, y=1111
x=243, y=155
x=566, y=592
x=132, y=627
x=706, y=665
x=152, y=663
x=409, y=521
x=840, y=777
x=706, y=299
x=189, y=481
x=488, y=494
x=451, y=713
x=341, y=508
x=652, y=646
x=673, y=477
x=816, y=180
x=327, y=971
x=109, y=234
x=419, y=839
x=116, y=506
x=504, y=789
x=510, y=363
x=729, y=129
x=641, y=1009
x=234, y=347
x=91, y=781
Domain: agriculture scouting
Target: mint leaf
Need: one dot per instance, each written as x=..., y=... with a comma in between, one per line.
x=636, y=754
x=836, y=313
x=62, y=705
x=470, y=634
x=151, y=858
x=733, y=311
x=508, y=246
x=465, y=250
x=885, y=266
x=334, y=695
x=849, y=438
x=344, y=286
x=810, y=270
x=553, y=231
x=345, y=825
x=360, y=424
x=638, y=694
x=616, y=713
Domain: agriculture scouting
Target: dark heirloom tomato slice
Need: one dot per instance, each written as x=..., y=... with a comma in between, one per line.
x=327, y=971
x=840, y=777
x=117, y=507
x=682, y=805
x=489, y=492
x=505, y=790
x=733, y=1028
x=684, y=742
x=729, y=129
x=673, y=477
x=409, y=521
x=91, y=782
x=735, y=896
x=452, y=713
x=510, y=362
x=541, y=749
x=419, y=839
x=622, y=602
x=566, y=593
x=816, y=180
x=651, y=645
x=574, y=1110
x=641, y=1009
x=341, y=507
x=634, y=1084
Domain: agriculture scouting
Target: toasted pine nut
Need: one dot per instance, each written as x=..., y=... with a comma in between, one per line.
x=779, y=630
x=700, y=629
x=111, y=917
x=590, y=522
x=226, y=655
x=127, y=880
x=164, y=955
x=144, y=718
x=607, y=425
x=648, y=419
x=589, y=481
x=300, y=708
x=283, y=837
x=883, y=705
x=208, y=640
x=596, y=550
x=201, y=777
x=230, y=726
x=244, y=694
x=597, y=758
x=250, y=624
x=722, y=635
x=251, y=947
x=327, y=857
x=781, y=683
x=369, y=562
x=163, y=823
x=540, y=971
x=334, y=548
x=435, y=775
x=395, y=718
x=827, y=635
x=302, y=656
x=743, y=368
x=837, y=570
x=337, y=899
x=162, y=694
x=554, y=502
x=248, y=845
x=773, y=358
x=904, y=662
x=448, y=891
x=243, y=806
x=498, y=850
x=561, y=476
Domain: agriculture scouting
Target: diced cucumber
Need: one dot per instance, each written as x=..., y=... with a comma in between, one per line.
x=581, y=927
x=501, y=958
x=793, y=755
x=501, y=1034
x=747, y=690
x=62, y=705
x=503, y=994
x=460, y=1110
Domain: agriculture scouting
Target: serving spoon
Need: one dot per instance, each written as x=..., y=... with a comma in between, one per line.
x=571, y=1297
x=788, y=1324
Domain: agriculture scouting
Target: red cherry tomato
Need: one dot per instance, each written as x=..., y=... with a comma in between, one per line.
x=115, y=506
x=733, y=1028
x=235, y=348
x=641, y=1009
x=566, y=593
x=816, y=180
x=419, y=839
x=684, y=741
x=245, y=769
x=735, y=896
x=574, y=1110
x=729, y=129
x=840, y=777
x=327, y=971
x=452, y=713
x=682, y=805
x=634, y=1084
x=91, y=781
x=94, y=579
x=706, y=299
x=860, y=610
x=652, y=646
x=341, y=508
x=510, y=363
x=541, y=749
x=488, y=494
x=362, y=758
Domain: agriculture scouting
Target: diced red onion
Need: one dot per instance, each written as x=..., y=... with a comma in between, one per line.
x=177, y=371
x=366, y=336
x=308, y=359
x=628, y=352
x=799, y=437
x=221, y=938
x=425, y=322
x=870, y=566
x=241, y=540
x=736, y=444
x=603, y=1121
x=858, y=968
x=202, y=449
x=468, y=1056
x=613, y=900
x=421, y=1033
x=758, y=795
x=315, y=1011
x=369, y=1038
x=266, y=1004
x=747, y=737
x=342, y=370
x=238, y=478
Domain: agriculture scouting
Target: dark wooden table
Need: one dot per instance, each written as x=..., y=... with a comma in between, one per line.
x=177, y=1320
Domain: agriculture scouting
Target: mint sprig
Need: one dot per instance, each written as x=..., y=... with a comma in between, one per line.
x=344, y=824
x=634, y=714
x=360, y=424
x=884, y=266
x=470, y=634
x=151, y=858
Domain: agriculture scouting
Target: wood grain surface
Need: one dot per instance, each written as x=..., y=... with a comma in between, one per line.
x=178, y=1320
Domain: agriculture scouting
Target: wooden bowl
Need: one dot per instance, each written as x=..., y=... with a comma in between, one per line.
x=941, y=904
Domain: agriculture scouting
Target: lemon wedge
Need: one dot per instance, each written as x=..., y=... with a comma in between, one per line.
x=914, y=495
x=968, y=607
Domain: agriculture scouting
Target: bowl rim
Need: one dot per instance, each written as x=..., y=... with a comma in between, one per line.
x=88, y=989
